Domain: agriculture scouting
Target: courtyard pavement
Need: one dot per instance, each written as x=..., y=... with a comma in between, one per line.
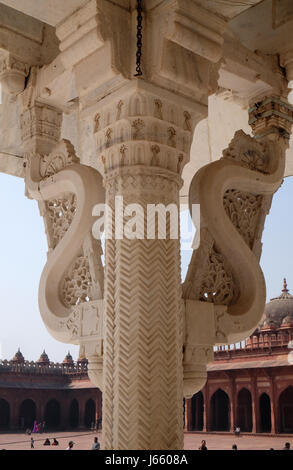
x=84, y=440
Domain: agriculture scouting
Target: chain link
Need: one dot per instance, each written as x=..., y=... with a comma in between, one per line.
x=139, y=39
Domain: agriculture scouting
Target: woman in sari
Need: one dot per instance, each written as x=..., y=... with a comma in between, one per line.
x=35, y=428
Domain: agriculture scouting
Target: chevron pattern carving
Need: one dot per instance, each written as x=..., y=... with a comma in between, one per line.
x=143, y=340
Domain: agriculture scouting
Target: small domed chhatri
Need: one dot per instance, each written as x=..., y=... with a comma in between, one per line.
x=18, y=357
x=279, y=311
x=44, y=359
x=68, y=359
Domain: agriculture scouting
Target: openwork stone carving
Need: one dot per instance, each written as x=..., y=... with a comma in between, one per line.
x=243, y=209
x=59, y=214
x=77, y=284
x=217, y=285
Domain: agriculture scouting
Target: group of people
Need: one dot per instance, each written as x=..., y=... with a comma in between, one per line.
x=96, y=445
x=203, y=446
x=46, y=443
x=37, y=428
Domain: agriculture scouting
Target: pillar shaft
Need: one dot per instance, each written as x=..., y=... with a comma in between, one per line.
x=143, y=142
x=143, y=344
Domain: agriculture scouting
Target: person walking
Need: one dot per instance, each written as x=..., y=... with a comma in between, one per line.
x=32, y=443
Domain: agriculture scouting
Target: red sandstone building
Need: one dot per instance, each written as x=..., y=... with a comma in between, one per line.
x=59, y=394
x=251, y=385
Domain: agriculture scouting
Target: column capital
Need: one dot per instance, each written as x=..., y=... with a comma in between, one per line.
x=271, y=115
x=13, y=72
x=139, y=124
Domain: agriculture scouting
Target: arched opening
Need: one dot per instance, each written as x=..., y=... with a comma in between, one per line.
x=74, y=414
x=244, y=410
x=90, y=413
x=27, y=414
x=220, y=410
x=4, y=414
x=52, y=414
x=197, y=402
x=265, y=413
x=286, y=410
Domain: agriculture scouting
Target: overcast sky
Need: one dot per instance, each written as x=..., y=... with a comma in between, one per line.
x=23, y=249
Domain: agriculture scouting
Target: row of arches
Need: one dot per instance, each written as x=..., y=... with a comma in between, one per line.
x=220, y=419
x=52, y=414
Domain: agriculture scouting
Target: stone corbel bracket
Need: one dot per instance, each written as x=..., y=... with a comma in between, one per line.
x=224, y=290
x=70, y=313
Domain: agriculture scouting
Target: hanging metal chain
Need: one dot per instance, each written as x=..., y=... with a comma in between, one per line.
x=139, y=39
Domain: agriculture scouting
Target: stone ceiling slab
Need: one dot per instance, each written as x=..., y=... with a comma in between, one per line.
x=51, y=12
x=228, y=8
x=274, y=34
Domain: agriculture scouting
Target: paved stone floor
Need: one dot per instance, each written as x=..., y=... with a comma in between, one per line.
x=83, y=441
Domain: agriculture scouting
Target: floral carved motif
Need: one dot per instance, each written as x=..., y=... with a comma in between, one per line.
x=119, y=110
x=171, y=137
x=158, y=109
x=138, y=129
x=243, y=209
x=97, y=123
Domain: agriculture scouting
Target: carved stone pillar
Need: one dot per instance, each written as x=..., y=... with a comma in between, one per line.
x=254, y=405
x=233, y=404
x=274, y=406
x=14, y=414
x=81, y=414
x=143, y=150
x=206, y=408
x=188, y=415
